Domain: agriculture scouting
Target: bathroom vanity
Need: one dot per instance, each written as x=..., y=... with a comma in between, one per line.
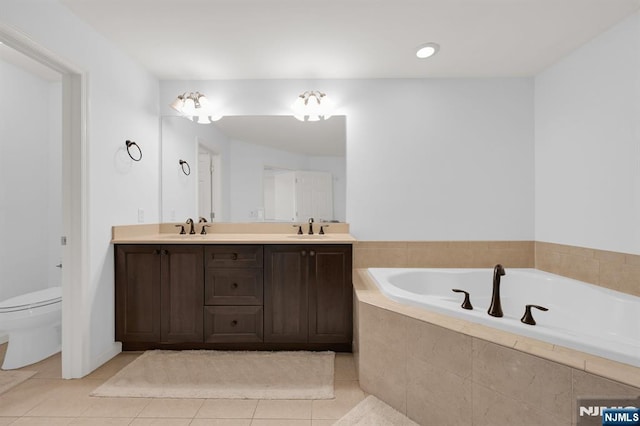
x=234, y=291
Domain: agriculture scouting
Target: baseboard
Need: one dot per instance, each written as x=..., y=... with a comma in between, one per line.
x=105, y=356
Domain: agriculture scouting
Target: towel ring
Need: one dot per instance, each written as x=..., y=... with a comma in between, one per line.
x=129, y=145
x=188, y=170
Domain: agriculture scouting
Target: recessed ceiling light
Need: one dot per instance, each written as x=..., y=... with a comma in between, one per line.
x=427, y=50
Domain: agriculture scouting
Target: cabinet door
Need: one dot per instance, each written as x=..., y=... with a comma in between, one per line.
x=182, y=293
x=330, y=294
x=285, y=293
x=137, y=291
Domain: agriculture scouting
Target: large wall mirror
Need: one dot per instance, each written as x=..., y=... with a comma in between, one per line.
x=254, y=169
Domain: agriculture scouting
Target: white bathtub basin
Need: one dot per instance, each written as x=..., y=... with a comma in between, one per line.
x=581, y=316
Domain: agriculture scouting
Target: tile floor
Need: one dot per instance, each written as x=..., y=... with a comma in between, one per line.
x=46, y=399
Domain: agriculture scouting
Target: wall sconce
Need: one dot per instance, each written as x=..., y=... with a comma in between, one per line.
x=186, y=171
x=195, y=106
x=312, y=105
x=129, y=144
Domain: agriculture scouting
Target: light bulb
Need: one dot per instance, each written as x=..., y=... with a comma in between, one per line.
x=189, y=107
x=178, y=104
x=427, y=50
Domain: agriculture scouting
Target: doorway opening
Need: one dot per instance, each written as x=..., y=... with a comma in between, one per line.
x=72, y=160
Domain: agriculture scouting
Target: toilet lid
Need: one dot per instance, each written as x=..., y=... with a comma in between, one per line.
x=32, y=300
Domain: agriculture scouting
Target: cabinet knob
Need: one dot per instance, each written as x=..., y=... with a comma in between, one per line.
x=234, y=285
x=234, y=323
x=156, y=251
x=312, y=253
x=303, y=253
x=234, y=256
x=164, y=252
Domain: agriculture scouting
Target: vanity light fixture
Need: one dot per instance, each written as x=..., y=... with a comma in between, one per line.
x=427, y=50
x=312, y=105
x=196, y=107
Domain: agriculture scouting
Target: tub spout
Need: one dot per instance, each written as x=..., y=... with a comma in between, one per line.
x=495, y=309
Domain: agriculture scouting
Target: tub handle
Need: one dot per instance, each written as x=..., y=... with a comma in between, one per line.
x=467, y=303
x=527, y=318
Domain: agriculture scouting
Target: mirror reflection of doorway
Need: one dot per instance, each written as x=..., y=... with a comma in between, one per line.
x=208, y=184
x=297, y=195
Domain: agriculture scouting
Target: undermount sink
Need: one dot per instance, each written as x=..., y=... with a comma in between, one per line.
x=307, y=236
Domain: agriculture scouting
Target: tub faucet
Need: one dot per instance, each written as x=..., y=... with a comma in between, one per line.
x=192, y=229
x=495, y=309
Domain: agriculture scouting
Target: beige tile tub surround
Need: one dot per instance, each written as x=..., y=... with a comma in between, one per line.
x=617, y=271
x=443, y=254
x=447, y=371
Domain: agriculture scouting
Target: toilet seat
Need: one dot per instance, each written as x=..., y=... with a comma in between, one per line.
x=32, y=300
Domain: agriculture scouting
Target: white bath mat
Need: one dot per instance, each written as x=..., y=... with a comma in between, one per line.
x=372, y=411
x=224, y=374
x=11, y=378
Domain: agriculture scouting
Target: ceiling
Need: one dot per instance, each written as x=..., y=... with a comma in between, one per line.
x=315, y=138
x=268, y=39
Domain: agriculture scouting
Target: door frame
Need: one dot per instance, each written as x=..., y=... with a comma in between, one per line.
x=216, y=179
x=75, y=162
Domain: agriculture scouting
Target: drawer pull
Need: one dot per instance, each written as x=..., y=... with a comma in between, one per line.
x=234, y=285
x=234, y=256
x=312, y=253
x=234, y=323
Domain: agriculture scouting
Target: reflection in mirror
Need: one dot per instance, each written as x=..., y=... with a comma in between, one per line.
x=237, y=161
x=297, y=195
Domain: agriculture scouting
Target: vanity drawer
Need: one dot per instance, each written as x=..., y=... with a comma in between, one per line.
x=235, y=256
x=232, y=324
x=233, y=286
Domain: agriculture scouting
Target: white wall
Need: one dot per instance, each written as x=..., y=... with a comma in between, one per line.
x=587, y=154
x=30, y=201
x=123, y=104
x=432, y=159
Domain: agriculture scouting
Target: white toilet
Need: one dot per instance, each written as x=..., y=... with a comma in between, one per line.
x=33, y=322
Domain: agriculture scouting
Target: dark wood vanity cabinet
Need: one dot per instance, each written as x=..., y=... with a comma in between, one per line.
x=234, y=296
x=308, y=294
x=137, y=293
x=233, y=293
x=159, y=294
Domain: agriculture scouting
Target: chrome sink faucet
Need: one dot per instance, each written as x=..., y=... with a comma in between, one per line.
x=495, y=309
